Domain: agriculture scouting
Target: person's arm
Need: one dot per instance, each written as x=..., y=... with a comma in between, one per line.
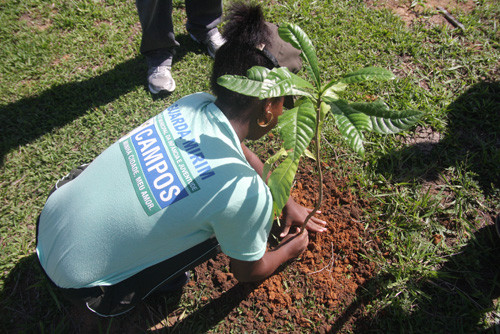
x=250, y=271
x=254, y=161
x=293, y=213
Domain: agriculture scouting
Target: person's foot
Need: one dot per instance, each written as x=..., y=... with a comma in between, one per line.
x=160, y=79
x=159, y=72
x=213, y=41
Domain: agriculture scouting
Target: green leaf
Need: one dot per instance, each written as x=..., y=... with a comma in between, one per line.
x=301, y=100
x=358, y=119
x=330, y=91
x=350, y=123
x=386, y=121
x=280, y=183
x=367, y=73
x=258, y=73
x=270, y=162
x=309, y=154
x=240, y=84
x=297, y=128
x=285, y=73
x=265, y=83
x=324, y=108
x=330, y=95
x=294, y=35
x=335, y=86
x=281, y=82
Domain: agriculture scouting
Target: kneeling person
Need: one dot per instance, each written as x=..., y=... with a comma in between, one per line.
x=175, y=191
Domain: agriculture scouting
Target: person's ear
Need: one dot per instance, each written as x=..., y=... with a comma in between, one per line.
x=267, y=115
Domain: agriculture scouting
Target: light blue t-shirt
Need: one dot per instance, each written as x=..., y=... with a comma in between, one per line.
x=167, y=186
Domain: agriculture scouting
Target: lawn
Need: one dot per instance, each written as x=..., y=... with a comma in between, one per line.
x=72, y=82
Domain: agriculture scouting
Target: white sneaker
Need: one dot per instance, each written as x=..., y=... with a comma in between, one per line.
x=213, y=41
x=160, y=79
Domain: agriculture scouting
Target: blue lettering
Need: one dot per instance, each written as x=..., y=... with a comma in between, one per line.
x=190, y=145
x=176, y=115
x=197, y=158
x=207, y=174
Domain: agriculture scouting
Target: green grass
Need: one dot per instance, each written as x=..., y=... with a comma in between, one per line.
x=72, y=82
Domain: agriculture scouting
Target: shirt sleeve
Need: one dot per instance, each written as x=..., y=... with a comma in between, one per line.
x=243, y=228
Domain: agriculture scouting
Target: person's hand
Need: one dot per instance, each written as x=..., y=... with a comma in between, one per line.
x=290, y=247
x=295, y=243
x=295, y=214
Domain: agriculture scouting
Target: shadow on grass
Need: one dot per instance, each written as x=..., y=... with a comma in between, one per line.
x=472, y=142
x=464, y=289
x=25, y=299
x=29, y=118
x=23, y=121
x=30, y=305
x=455, y=301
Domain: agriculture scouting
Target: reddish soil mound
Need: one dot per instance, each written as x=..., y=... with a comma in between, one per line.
x=311, y=291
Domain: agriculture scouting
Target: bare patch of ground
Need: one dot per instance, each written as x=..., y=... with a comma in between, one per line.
x=423, y=138
x=425, y=11
x=36, y=22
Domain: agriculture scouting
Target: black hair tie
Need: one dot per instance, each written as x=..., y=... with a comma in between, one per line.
x=269, y=56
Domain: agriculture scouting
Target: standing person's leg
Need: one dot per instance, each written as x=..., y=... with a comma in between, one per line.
x=158, y=41
x=203, y=16
x=157, y=27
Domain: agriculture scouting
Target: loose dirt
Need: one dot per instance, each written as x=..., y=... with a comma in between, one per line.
x=313, y=291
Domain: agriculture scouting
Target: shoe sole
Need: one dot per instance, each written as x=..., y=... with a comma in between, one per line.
x=157, y=91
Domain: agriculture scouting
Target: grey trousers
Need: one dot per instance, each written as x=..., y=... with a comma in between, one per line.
x=157, y=27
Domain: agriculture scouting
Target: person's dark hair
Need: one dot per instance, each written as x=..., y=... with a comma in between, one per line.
x=244, y=31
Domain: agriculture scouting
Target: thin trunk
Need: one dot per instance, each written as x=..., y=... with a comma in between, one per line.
x=318, y=166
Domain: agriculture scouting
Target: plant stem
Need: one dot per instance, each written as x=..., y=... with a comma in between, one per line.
x=317, y=136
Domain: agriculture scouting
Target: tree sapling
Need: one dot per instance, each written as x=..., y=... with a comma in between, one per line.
x=302, y=124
